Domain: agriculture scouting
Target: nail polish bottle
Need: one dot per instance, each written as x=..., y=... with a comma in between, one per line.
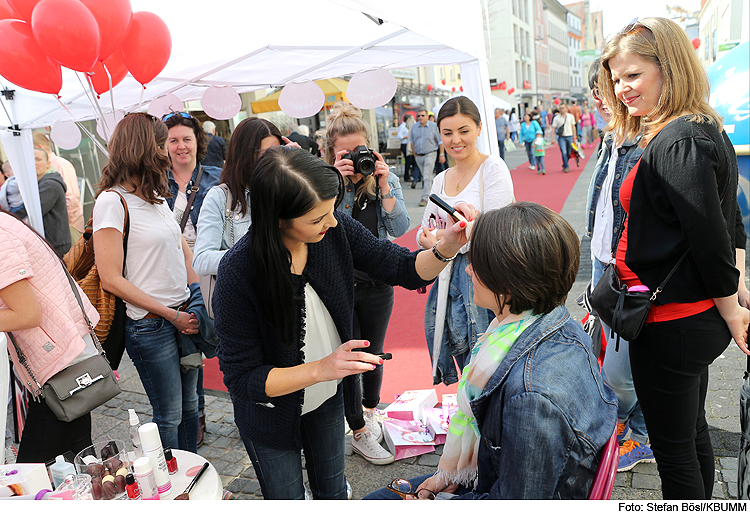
x=131, y=487
x=171, y=461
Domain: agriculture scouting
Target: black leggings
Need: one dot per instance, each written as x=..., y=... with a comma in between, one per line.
x=44, y=436
x=669, y=361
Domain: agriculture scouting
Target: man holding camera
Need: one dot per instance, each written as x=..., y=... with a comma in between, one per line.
x=425, y=143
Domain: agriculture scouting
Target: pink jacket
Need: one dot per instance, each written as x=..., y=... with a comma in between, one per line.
x=58, y=340
x=588, y=120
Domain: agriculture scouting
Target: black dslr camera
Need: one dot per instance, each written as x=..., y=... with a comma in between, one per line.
x=363, y=159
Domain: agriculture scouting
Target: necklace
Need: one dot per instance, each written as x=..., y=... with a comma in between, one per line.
x=458, y=184
x=164, y=216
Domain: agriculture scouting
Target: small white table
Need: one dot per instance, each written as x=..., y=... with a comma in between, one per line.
x=209, y=487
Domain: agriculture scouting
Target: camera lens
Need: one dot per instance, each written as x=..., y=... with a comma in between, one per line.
x=366, y=166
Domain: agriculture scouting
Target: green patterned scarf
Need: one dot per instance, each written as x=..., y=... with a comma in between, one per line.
x=458, y=464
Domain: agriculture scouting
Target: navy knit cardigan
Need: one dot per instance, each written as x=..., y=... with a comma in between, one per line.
x=249, y=347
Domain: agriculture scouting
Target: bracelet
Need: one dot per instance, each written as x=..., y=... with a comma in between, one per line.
x=176, y=316
x=439, y=256
x=388, y=195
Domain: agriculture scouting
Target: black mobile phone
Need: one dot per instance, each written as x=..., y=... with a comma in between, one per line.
x=457, y=217
x=386, y=355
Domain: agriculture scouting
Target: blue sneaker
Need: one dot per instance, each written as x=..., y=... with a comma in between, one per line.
x=622, y=430
x=631, y=453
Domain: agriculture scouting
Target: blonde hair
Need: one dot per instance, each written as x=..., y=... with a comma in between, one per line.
x=685, y=86
x=345, y=119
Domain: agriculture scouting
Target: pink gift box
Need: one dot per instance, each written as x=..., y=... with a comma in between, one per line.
x=407, y=438
x=409, y=405
x=436, y=424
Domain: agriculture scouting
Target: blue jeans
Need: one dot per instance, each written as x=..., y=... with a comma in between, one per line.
x=373, y=303
x=152, y=346
x=501, y=147
x=565, y=143
x=279, y=471
x=540, y=163
x=617, y=375
x=529, y=151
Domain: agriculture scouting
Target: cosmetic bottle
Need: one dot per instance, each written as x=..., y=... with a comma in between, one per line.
x=131, y=487
x=60, y=469
x=171, y=461
x=151, y=445
x=135, y=438
x=144, y=474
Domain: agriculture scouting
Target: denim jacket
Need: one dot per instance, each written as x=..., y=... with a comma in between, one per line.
x=544, y=416
x=395, y=223
x=210, y=178
x=213, y=237
x=629, y=155
x=464, y=321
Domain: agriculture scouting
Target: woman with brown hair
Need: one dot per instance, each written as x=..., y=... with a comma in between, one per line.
x=681, y=205
x=154, y=281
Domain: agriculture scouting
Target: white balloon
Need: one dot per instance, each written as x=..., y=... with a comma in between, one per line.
x=221, y=102
x=371, y=89
x=66, y=135
x=301, y=100
x=111, y=119
x=165, y=104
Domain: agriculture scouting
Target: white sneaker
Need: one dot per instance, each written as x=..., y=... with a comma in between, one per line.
x=532, y=167
x=373, y=424
x=364, y=443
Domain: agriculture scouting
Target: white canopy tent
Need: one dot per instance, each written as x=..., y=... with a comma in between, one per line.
x=253, y=45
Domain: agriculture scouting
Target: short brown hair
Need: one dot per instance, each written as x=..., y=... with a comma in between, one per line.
x=40, y=139
x=133, y=152
x=685, y=86
x=527, y=255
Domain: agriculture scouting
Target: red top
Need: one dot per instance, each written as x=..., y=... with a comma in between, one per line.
x=666, y=312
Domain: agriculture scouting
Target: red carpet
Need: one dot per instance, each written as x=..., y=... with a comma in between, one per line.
x=410, y=367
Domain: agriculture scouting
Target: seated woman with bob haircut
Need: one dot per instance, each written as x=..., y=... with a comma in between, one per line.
x=533, y=413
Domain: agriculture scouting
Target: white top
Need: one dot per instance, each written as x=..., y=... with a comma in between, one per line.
x=155, y=263
x=498, y=192
x=321, y=339
x=604, y=216
x=180, y=204
x=569, y=128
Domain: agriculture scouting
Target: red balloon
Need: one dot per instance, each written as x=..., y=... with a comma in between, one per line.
x=696, y=43
x=6, y=11
x=147, y=46
x=68, y=32
x=117, y=71
x=511, y=91
x=429, y=87
x=23, y=62
x=461, y=88
x=443, y=81
x=113, y=18
x=557, y=101
x=453, y=88
x=23, y=8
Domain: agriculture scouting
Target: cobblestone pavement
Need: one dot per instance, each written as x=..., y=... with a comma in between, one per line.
x=224, y=449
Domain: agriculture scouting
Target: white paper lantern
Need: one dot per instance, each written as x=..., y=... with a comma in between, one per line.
x=301, y=100
x=371, y=89
x=66, y=135
x=111, y=119
x=221, y=102
x=165, y=104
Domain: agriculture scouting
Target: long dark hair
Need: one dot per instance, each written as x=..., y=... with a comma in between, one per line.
x=133, y=152
x=286, y=184
x=242, y=155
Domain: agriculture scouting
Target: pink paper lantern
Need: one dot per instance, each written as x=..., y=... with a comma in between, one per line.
x=166, y=104
x=301, y=100
x=221, y=102
x=371, y=89
x=66, y=135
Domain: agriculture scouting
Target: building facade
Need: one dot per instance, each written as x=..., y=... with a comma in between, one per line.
x=722, y=25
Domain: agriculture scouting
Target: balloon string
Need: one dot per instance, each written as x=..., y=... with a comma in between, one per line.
x=95, y=103
x=109, y=80
x=140, y=104
x=83, y=128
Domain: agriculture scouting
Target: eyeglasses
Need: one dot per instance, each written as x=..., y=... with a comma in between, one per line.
x=627, y=28
x=421, y=115
x=597, y=94
x=402, y=487
x=183, y=114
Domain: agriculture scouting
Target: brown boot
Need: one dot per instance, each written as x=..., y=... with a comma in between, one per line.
x=201, y=429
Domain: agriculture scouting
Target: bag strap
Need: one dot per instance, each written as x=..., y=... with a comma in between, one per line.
x=192, y=191
x=74, y=287
x=126, y=228
x=664, y=282
x=38, y=393
x=228, y=213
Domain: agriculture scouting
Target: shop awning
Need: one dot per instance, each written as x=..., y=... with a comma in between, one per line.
x=334, y=90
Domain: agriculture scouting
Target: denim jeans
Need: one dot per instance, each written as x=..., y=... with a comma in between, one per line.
x=530, y=151
x=279, y=471
x=540, y=163
x=617, y=375
x=373, y=303
x=670, y=363
x=501, y=147
x=426, y=166
x=152, y=346
x=565, y=143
